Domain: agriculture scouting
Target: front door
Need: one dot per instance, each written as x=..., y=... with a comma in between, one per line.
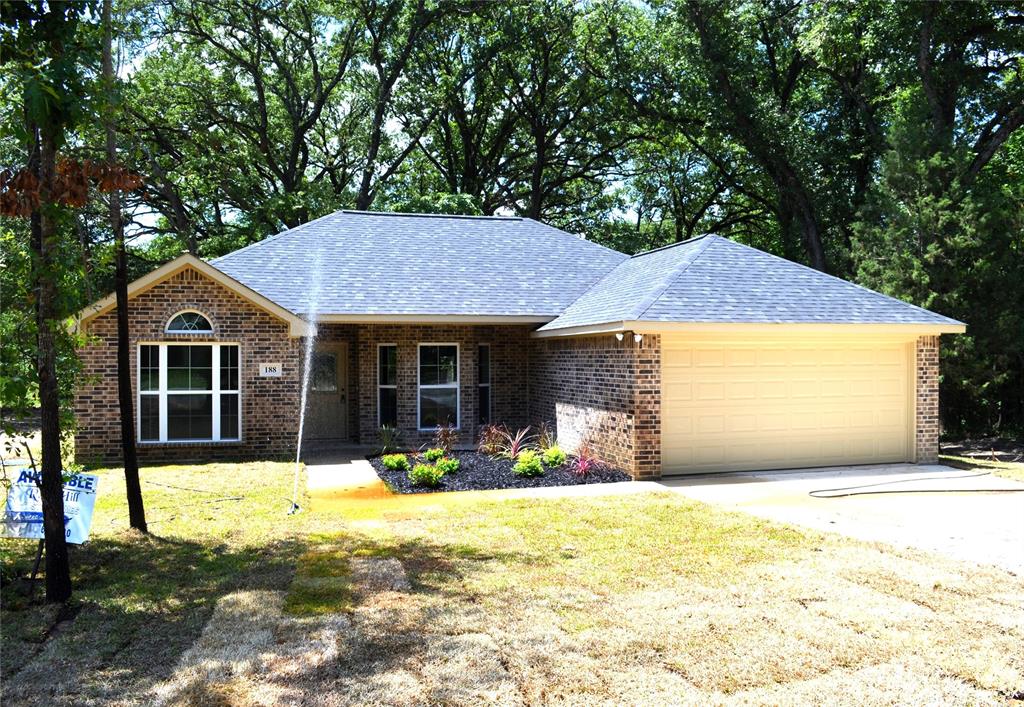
x=327, y=404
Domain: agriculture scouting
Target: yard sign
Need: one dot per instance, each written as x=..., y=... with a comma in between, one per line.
x=23, y=514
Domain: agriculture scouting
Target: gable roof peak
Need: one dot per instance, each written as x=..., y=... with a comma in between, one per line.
x=688, y=241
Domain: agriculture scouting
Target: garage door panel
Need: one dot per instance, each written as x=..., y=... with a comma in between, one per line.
x=749, y=405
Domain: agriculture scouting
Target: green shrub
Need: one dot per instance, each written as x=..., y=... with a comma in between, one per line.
x=395, y=462
x=528, y=464
x=432, y=455
x=447, y=465
x=554, y=456
x=426, y=475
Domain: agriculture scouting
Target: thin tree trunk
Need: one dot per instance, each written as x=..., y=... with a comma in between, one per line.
x=136, y=510
x=58, y=573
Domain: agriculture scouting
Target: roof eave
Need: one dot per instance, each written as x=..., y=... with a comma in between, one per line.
x=383, y=318
x=764, y=328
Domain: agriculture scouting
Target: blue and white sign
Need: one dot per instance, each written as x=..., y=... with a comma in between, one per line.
x=23, y=514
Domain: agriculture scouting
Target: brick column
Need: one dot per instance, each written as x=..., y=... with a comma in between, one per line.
x=647, y=409
x=926, y=423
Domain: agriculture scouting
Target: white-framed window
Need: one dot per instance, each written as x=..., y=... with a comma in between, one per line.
x=437, y=370
x=483, y=383
x=189, y=321
x=387, y=385
x=189, y=392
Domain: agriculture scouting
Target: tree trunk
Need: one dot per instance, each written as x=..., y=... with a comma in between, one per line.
x=58, y=573
x=136, y=510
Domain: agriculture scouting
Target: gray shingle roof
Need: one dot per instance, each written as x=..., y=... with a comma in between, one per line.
x=412, y=264
x=713, y=279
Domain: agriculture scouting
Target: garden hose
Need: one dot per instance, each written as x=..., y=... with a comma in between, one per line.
x=819, y=493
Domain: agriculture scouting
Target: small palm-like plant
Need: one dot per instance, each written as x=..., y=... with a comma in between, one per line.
x=445, y=438
x=512, y=445
x=390, y=439
x=584, y=462
x=546, y=436
x=491, y=437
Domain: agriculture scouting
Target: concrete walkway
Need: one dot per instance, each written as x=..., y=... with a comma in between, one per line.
x=933, y=510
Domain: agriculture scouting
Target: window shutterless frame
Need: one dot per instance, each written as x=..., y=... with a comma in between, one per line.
x=384, y=386
x=161, y=393
x=420, y=387
x=483, y=384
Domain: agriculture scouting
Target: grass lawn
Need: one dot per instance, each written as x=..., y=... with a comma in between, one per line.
x=641, y=599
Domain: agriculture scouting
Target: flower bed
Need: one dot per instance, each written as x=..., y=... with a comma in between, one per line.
x=478, y=471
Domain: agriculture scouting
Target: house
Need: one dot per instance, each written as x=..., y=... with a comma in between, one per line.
x=706, y=355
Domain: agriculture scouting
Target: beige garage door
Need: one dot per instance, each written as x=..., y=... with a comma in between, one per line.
x=733, y=405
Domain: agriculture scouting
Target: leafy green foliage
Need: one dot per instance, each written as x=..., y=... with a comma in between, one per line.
x=395, y=462
x=528, y=463
x=426, y=475
x=553, y=456
x=432, y=455
x=447, y=465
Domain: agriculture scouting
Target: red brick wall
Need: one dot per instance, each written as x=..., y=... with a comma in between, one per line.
x=269, y=405
x=926, y=428
x=605, y=392
x=509, y=365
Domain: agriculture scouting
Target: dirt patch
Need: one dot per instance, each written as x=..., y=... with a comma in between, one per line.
x=373, y=574
x=479, y=472
x=996, y=449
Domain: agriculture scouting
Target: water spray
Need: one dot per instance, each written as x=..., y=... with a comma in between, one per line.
x=311, y=334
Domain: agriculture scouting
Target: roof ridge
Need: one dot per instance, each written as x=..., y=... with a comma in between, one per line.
x=274, y=237
x=671, y=279
x=868, y=290
x=673, y=245
x=479, y=217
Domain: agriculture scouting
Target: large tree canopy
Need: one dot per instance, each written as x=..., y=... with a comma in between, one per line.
x=878, y=141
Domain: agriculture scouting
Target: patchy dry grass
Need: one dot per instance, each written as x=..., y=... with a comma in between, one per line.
x=140, y=601
x=1008, y=470
x=645, y=599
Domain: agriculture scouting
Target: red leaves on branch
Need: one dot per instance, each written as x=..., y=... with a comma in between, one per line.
x=21, y=191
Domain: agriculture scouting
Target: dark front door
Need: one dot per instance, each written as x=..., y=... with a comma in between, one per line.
x=327, y=404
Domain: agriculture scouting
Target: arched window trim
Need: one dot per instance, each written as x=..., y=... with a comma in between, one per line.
x=201, y=332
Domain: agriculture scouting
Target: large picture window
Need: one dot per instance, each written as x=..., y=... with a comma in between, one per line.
x=189, y=393
x=387, y=385
x=438, y=385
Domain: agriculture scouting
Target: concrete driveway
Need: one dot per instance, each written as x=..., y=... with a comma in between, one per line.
x=980, y=527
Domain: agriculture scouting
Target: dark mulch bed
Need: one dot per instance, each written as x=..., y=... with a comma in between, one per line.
x=478, y=472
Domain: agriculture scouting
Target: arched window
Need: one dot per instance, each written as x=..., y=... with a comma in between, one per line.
x=189, y=323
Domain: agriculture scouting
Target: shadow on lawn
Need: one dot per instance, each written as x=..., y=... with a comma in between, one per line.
x=139, y=602
x=142, y=601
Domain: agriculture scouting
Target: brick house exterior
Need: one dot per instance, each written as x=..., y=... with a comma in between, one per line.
x=604, y=392
x=269, y=422
x=585, y=354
